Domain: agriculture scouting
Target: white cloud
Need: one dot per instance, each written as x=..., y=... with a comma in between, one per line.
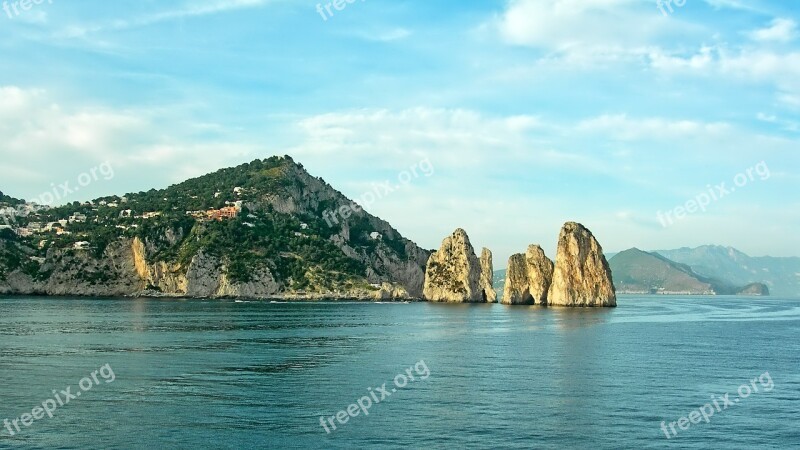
x=49, y=141
x=766, y=117
x=780, y=70
x=780, y=30
x=622, y=127
x=762, y=65
x=732, y=4
x=562, y=23
x=790, y=99
x=604, y=29
x=666, y=62
x=192, y=9
x=786, y=125
x=386, y=137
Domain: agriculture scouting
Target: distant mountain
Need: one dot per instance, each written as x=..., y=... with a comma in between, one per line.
x=499, y=276
x=499, y=281
x=636, y=271
x=781, y=275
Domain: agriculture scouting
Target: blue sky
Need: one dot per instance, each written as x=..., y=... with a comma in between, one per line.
x=532, y=112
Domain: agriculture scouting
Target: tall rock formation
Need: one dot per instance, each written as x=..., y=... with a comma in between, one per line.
x=516, y=291
x=528, y=278
x=487, y=276
x=453, y=274
x=540, y=274
x=582, y=276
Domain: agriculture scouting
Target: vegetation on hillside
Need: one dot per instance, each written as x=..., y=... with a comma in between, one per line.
x=296, y=249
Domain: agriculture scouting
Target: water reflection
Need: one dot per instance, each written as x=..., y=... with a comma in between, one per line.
x=573, y=318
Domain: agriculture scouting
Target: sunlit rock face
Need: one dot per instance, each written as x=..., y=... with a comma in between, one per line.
x=453, y=273
x=582, y=276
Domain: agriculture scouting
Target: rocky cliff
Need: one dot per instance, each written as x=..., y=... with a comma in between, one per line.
x=582, y=276
x=487, y=276
x=67, y=272
x=389, y=257
x=453, y=273
x=125, y=271
x=528, y=278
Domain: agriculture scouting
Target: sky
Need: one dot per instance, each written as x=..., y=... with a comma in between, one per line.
x=655, y=125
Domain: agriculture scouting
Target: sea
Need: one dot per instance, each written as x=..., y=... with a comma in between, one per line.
x=655, y=372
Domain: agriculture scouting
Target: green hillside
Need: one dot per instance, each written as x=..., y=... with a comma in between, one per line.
x=263, y=216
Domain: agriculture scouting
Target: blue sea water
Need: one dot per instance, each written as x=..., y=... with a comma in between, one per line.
x=224, y=374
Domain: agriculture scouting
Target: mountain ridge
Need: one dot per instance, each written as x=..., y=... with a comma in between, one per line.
x=732, y=266
x=637, y=272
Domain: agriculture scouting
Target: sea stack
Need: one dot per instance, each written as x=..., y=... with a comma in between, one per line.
x=528, y=278
x=540, y=274
x=582, y=276
x=487, y=276
x=516, y=290
x=453, y=273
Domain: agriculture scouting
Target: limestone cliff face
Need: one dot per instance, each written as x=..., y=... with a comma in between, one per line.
x=528, y=278
x=487, y=276
x=158, y=275
x=206, y=276
x=582, y=276
x=453, y=274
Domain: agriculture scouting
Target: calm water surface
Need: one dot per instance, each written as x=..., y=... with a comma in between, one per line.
x=210, y=374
